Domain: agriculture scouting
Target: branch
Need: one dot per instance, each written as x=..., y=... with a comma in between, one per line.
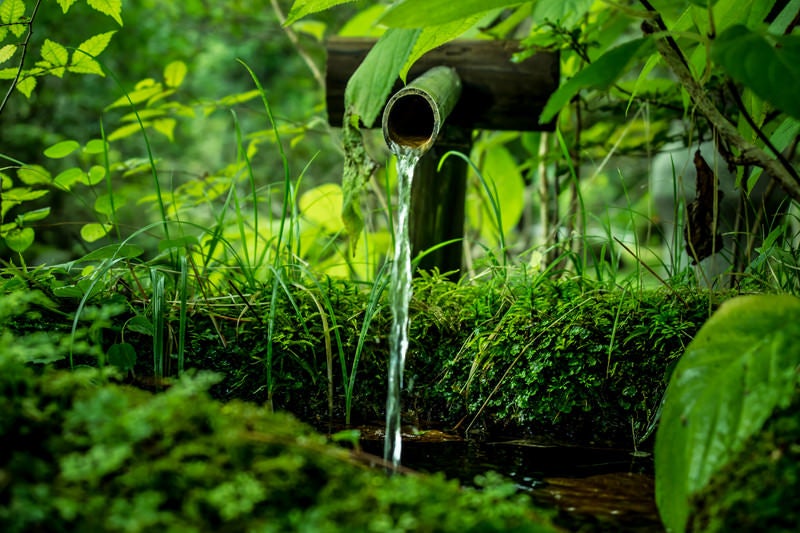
x=675, y=61
x=24, y=46
x=296, y=42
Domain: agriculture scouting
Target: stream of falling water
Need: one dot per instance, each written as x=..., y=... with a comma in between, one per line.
x=399, y=298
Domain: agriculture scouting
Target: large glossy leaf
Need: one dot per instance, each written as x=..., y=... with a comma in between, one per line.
x=433, y=36
x=742, y=364
x=370, y=84
x=771, y=72
x=424, y=13
x=322, y=206
x=601, y=74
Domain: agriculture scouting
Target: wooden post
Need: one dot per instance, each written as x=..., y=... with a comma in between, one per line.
x=496, y=94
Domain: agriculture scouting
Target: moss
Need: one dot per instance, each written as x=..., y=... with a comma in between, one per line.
x=544, y=357
x=516, y=353
x=83, y=454
x=757, y=490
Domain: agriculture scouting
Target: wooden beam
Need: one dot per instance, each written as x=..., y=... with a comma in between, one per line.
x=496, y=95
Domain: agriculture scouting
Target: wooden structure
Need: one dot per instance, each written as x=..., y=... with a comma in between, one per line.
x=496, y=94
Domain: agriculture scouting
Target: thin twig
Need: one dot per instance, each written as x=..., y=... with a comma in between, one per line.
x=290, y=33
x=24, y=46
x=677, y=63
x=737, y=98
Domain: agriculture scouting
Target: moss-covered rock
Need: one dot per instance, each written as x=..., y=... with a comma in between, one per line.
x=517, y=353
x=83, y=454
x=520, y=355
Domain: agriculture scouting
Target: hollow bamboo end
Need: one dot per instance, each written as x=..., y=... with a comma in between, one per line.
x=414, y=115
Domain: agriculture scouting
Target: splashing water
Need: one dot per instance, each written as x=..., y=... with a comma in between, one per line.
x=399, y=297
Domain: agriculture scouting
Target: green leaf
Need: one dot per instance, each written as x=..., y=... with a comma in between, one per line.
x=12, y=11
x=56, y=54
x=601, y=74
x=144, y=90
x=112, y=251
x=8, y=73
x=166, y=127
x=565, y=13
x=26, y=86
x=93, y=231
x=20, y=239
x=424, y=13
x=69, y=177
x=433, y=36
x=369, y=87
x=95, y=175
x=174, y=73
x=18, y=195
x=785, y=18
x=126, y=131
x=62, y=149
x=85, y=66
x=34, y=175
x=7, y=52
x=95, y=146
x=112, y=8
x=312, y=28
x=103, y=204
x=771, y=72
x=322, y=205
x=83, y=58
x=65, y=5
x=364, y=23
x=35, y=215
x=140, y=324
x=742, y=364
x=122, y=356
x=301, y=8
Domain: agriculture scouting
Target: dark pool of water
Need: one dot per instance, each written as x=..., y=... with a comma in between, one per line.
x=593, y=489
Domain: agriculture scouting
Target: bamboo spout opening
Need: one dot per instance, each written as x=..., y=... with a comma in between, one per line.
x=414, y=116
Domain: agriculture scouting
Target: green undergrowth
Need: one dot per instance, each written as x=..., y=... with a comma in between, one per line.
x=757, y=490
x=555, y=358
x=82, y=453
x=514, y=353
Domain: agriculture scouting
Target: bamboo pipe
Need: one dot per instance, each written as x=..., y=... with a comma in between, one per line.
x=414, y=116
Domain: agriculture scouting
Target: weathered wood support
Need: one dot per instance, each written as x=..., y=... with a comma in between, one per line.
x=496, y=94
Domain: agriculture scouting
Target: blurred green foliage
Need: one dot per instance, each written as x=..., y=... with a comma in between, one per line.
x=86, y=454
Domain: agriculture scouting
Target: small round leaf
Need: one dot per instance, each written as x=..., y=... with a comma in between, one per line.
x=122, y=356
x=61, y=149
x=20, y=239
x=95, y=146
x=94, y=231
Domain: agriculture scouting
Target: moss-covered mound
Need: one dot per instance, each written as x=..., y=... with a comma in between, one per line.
x=82, y=454
x=517, y=353
x=758, y=489
x=514, y=354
